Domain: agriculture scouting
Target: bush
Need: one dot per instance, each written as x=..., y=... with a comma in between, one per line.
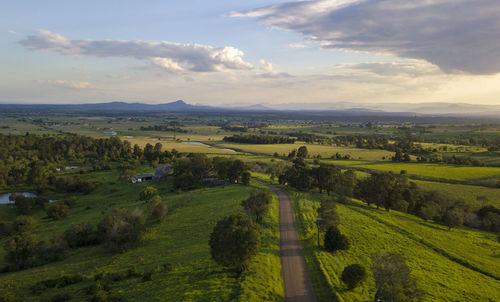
x=21, y=250
x=159, y=211
x=148, y=193
x=58, y=211
x=353, y=275
x=23, y=224
x=79, y=235
x=334, y=240
x=121, y=229
x=55, y=251
x=234, y=241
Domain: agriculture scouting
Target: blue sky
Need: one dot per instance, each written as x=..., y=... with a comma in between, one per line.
x=248, y=52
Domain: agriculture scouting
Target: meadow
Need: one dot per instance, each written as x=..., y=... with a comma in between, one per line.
x=180, y=242
x=457, y=265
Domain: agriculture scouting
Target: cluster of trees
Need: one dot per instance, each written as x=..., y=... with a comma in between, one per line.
x=394, y=191
x=189, y=172
x=164, y=128
x=259, y=139
x=120, y=230
x=325, y=178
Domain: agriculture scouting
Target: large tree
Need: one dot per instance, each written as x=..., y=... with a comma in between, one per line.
x=234, y=241
x=257, y=204
x=392, y=279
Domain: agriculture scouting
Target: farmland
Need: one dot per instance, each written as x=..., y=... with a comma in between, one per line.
x=448, y=265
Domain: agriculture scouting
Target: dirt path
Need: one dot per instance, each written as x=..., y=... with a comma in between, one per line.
x=296, y=281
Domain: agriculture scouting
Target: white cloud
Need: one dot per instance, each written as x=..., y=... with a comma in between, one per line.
x=456, y=35
x=297, y=45
x=169, y=55
x=67, y=84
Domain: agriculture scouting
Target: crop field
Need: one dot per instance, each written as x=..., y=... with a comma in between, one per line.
x=321, y=150
x=456, y=265
x=180, y=241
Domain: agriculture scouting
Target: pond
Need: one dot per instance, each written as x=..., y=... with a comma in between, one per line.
x=4, y=198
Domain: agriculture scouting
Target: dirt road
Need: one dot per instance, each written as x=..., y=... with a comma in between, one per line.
x=298, y=287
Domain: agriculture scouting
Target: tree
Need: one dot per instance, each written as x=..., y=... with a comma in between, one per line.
x=23, y=224
x=234, y=241
x=121, y=229
x=58, y=211
x=257, y=204
x=453, y=218
x=328, y=214
x=148, y=193
x=21, y=250
x=245, y=178
x=334, y=240
x=82, y=234
x=302, y=152
x=353, y=275
x=392, y=279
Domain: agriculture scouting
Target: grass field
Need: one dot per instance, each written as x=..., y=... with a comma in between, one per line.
x=181, y=241
x=479, y=175
x=323, y=151
x=448, y=265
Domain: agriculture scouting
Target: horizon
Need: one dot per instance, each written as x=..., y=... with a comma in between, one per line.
x=259, y=52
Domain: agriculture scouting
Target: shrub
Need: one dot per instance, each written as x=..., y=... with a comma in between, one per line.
x=121, y=229
x=23, y=224
x=58, y=211
x=53, y=252
x=82, y=234
x=353, y=275
x=334, y=240
x=21, y=250
x=148, y=193
x=159, y=211
x=234, y=241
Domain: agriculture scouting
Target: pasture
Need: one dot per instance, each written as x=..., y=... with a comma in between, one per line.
x=455, y=265
x=180, y=242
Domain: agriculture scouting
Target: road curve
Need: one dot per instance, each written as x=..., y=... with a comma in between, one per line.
x=298, y=287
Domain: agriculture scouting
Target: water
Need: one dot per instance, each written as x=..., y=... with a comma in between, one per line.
x=4, y=198
x=195, y=143
x=226, y=149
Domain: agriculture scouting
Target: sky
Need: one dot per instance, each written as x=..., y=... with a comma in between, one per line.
x=250, y=52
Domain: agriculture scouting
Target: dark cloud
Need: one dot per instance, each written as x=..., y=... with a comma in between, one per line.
x=456, y=35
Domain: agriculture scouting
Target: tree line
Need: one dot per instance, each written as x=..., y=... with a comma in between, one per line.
x=163, y=128
x=259, y=139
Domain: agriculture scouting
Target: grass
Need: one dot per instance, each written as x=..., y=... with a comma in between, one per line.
x=448, y=265
x=322, y=150
x=472, y=175
x=181, y=240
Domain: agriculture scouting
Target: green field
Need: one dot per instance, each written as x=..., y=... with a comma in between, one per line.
x=321, y=150
x=448, y=265
x=181, y=241
x=475, y=175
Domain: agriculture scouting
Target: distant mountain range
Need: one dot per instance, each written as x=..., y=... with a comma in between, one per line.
x=347, y=108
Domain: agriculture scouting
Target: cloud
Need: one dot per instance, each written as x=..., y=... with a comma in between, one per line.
x=410, y=69
x=268, y=71
x=297, y=45
x=67, y=84
x=168, y=55
x=456, y=35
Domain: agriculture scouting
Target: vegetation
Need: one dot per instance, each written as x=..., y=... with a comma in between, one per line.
x=353, y=275
x=234, y=241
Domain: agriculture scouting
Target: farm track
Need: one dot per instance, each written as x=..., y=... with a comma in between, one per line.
x=425, y=243
x=297, y=284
